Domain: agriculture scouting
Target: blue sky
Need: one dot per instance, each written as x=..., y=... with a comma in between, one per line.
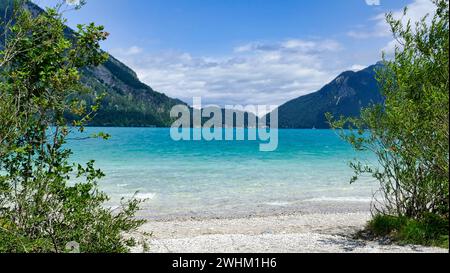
x=244, y=51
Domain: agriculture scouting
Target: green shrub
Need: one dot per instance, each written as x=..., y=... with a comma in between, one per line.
x=409, y=133
x=430, y=230
x=435, y=224
x=383, y=225
x=47, y=203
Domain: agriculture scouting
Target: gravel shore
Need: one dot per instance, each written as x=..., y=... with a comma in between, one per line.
x=283, y=233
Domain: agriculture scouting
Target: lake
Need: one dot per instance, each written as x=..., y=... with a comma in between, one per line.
x=212, y=178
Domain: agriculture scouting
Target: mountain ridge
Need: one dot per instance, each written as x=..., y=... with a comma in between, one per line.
x=132, y=103
x=129, y=102
x=346, y=95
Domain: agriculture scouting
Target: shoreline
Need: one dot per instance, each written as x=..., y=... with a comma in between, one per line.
x=288, y=232
x=263, y=210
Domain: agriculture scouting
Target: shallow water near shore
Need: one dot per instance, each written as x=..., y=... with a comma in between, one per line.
x=224, y=178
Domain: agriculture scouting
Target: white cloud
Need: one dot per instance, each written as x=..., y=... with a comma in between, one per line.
x=134, y=50
x=416, y=11
x=376, y=33
x=73, y=2
x=357, y=67
x=293, y=45
x=254, y=73
x=389, y=49
x=373, y=2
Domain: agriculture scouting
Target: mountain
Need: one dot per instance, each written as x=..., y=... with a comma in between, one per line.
x=129, y=102
x=345, y=95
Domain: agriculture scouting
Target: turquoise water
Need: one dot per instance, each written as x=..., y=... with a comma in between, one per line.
x=201, y=177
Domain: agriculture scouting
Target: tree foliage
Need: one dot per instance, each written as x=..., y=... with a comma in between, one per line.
x=47, y=202
x=409, y=133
